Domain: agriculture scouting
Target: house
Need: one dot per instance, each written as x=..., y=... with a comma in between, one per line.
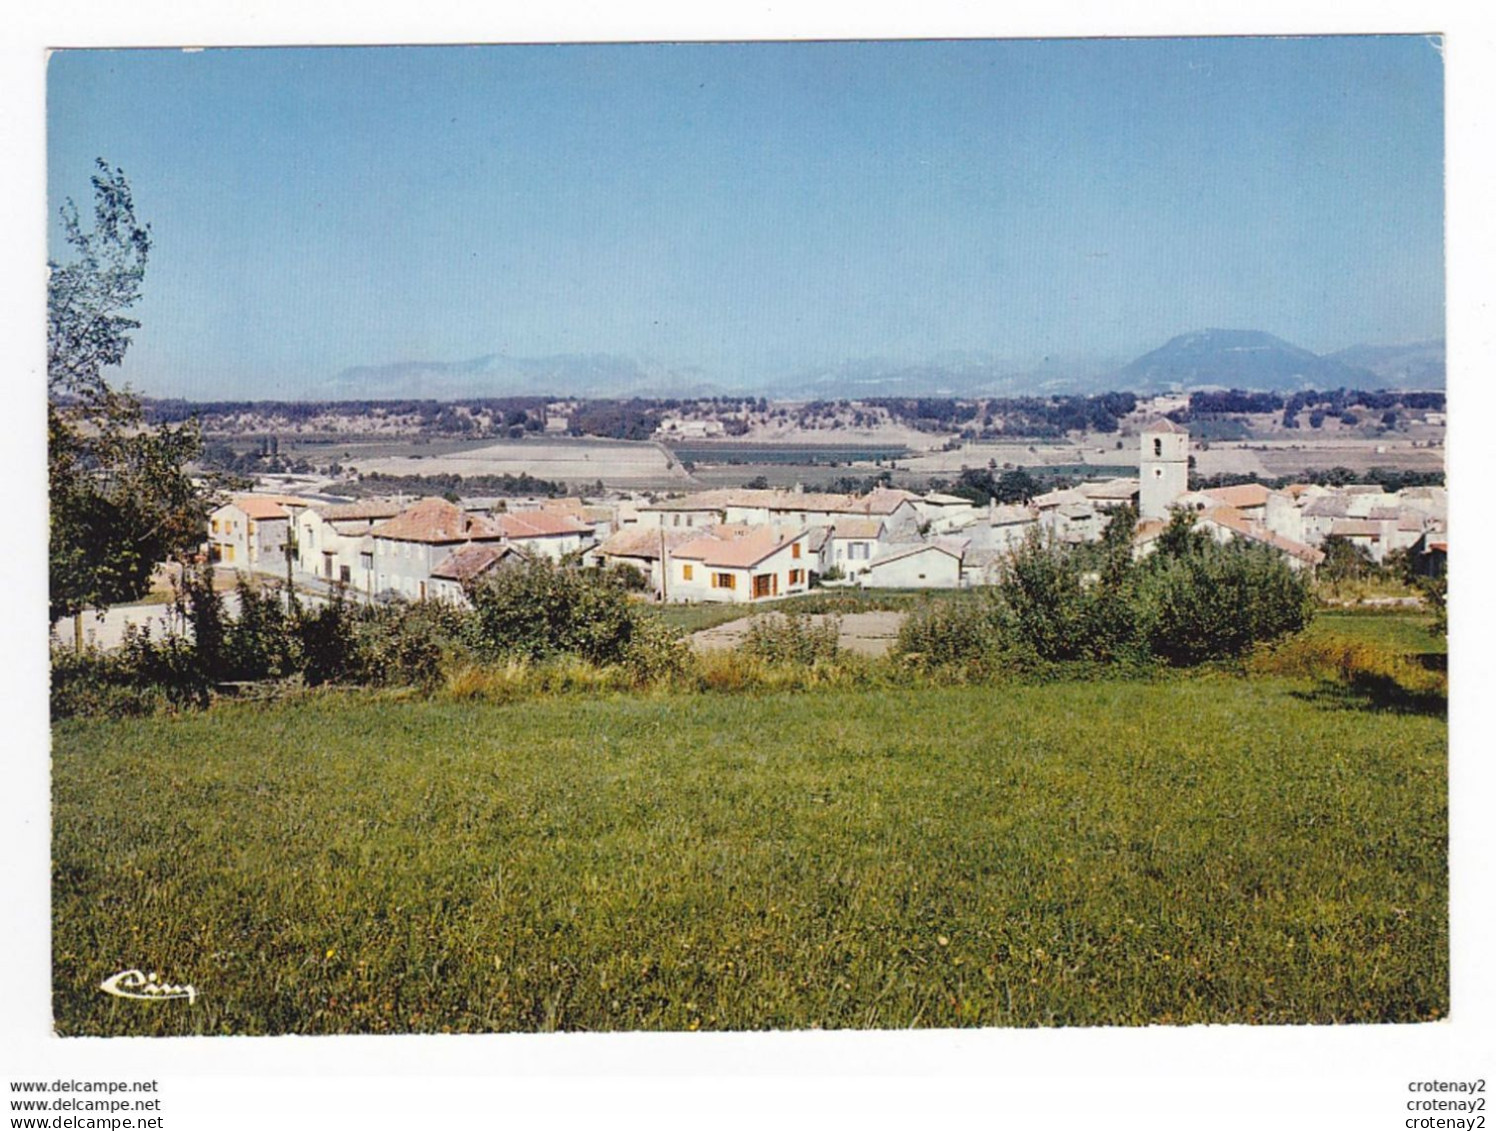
x=941, y=513
x=1321, y=513
x=643, y=549
x=602, y=519
x=1430, y=554
x=1111, y=493
x=332, y=543
x=740, y=563
x=409, y=546
x=1364, y=533
x=1007, y=527
x=982, y=566
x=896, y=507
x=253, y=532
x=544, y=533
x=854, y=543
x=690, y=512
x=924, y=565
x=467, y=564
x=1249, y=499
x=1227, y=523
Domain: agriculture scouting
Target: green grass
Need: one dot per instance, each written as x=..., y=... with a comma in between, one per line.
x=1207, y=849
x=1400, y=631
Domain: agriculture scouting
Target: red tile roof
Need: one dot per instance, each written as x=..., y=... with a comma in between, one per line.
x=1110, y=489
x=437, y=521
x=539, y=524
x=636, y=543
x=267, y=507
x=1355, y=528
x=741, y=552
x=1242, y=495
x=857, y=528
x=365, y=508
x=468, y=562
x=952, y=550
x=1239, y=523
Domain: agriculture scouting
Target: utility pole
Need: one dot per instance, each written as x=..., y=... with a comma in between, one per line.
x=664, y=570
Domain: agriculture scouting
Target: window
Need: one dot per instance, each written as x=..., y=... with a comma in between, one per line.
x=797, y=576
x=1158, y=447
x=858, y=551
x=215, y=526
x=343, y=574
x=251, y=528
x=795, y=550
x=762, y=583
x=366, y=559
x=685, y=573
x=724, y=581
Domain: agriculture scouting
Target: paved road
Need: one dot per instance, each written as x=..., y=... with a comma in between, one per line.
x=872, y=634
x=108, y=630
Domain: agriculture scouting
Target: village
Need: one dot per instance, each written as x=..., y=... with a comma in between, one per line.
x=759, y=545
x=748, y=539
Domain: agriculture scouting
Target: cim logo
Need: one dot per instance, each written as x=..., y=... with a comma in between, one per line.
x=145, y=987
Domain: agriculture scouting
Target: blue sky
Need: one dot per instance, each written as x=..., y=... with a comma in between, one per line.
x=753, y=210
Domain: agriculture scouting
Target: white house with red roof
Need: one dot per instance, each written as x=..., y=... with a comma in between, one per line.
x=740, y=564
x=544, y=533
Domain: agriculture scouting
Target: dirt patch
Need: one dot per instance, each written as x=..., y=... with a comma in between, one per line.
x=871, y=634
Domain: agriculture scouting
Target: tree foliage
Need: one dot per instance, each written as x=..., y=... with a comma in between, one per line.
x=121, y=500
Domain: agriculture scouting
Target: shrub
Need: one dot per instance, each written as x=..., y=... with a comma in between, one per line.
x=99, y=683
x=656, y=651
x=1060, y=613
x=956, y=634
x=329, y=641
x=262, y=641
x=411, y=644
x=539, y=610
x=796, y=638
x=1216, y=601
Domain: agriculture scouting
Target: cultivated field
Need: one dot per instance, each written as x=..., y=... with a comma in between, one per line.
x=1202, y=849
x=579, y=461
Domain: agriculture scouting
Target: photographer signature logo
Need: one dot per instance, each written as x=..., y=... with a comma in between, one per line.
x=145, y=987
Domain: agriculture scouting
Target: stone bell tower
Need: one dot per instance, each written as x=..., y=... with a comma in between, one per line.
x=1163, y=467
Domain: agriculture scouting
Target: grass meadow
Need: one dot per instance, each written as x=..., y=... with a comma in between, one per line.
x=1202, y=848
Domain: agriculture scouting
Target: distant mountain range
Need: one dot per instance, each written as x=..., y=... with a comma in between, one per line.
x=1239, y=359
x=1258, y=361
x=498, y=375
x=1418, y=365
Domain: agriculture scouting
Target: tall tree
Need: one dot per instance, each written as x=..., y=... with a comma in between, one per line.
x=121, y=498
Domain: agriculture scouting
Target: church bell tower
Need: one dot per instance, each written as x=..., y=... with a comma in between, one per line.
x=1163, y=468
